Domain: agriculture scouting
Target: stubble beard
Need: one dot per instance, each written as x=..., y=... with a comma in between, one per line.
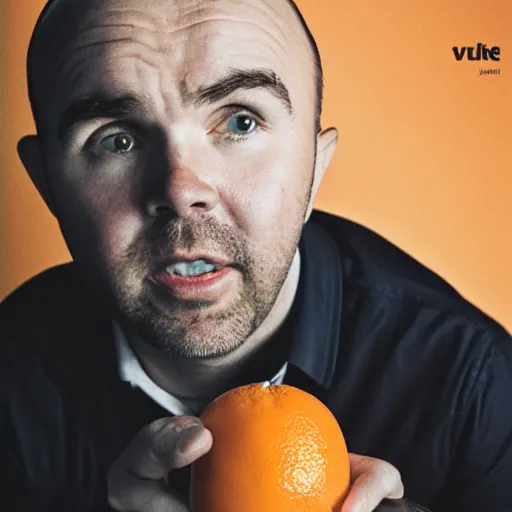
x=188, y=329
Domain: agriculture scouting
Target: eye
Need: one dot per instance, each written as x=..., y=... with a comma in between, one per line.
x=118, y=143
x=241, y=124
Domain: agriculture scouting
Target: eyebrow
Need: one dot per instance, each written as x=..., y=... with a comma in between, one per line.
x=99, y=106
x=246, y=79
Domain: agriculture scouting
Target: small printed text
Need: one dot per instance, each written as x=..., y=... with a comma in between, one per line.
x=488, y=72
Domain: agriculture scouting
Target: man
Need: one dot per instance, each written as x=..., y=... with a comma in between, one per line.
x=179, y=148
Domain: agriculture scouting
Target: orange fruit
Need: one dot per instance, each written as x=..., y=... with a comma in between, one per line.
x=275, y=449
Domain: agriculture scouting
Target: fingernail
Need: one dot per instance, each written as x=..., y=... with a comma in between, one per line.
x=182, y=425
x=188, y=438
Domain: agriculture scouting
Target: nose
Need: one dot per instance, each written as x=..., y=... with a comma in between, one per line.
x=182, y=191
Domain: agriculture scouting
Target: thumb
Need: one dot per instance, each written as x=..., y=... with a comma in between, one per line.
x=165, y=445
x=373, y=480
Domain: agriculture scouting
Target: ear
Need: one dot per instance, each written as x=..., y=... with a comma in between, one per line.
x=30, y=154
x=326, y=145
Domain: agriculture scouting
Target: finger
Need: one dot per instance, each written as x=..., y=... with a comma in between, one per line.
x=379, y=469
x=146, y=496
x=166, y=444
x=372, y=481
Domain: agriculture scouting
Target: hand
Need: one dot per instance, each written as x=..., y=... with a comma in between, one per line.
x=372, y=480
x=136, y=480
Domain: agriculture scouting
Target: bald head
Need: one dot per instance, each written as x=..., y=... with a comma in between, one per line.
x=179, y=129
x=57, y=16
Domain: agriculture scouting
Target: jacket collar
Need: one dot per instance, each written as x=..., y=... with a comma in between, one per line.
x=318, y=306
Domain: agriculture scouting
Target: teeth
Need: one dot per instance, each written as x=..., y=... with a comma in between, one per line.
x=194, y=268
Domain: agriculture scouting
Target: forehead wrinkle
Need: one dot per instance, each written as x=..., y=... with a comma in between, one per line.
x=262, y=16
x=179, y=16
x=76, y=75
x=177, y=11
x=74, y=45
x=73, y=71
x=73, y=74
x=65, y=41
x=290, y=29
x=275, y=44
x=86, y=47
x=147, y=22
x=183, y=86
x=233, y=33
x=282, y=11
x=256, y=12
x=294, y=32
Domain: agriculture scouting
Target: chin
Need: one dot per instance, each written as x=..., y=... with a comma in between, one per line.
x=201, y=332
x=204, y=343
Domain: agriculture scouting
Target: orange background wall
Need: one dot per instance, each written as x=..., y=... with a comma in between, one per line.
x=425, y=155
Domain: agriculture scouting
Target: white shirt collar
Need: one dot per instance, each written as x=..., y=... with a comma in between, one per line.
x=130, y=370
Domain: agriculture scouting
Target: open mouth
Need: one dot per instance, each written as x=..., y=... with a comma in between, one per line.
x=194, y=268
x=197, y=277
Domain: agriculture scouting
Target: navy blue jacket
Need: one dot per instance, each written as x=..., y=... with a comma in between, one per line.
x=414, y=374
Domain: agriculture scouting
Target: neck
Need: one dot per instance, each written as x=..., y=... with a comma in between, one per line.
x=198, y=381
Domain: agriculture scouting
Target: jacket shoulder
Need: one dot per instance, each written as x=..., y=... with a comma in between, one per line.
x=54, y=316
x=376, y=266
